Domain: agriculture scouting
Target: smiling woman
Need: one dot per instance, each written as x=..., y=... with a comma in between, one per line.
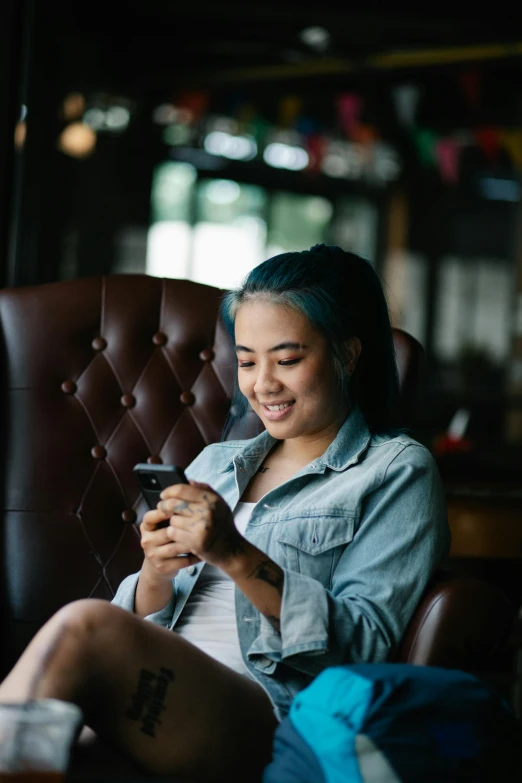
x=339, y=297
x=309, y=545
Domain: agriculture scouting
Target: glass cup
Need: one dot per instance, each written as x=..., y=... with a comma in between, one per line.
x=35, y=740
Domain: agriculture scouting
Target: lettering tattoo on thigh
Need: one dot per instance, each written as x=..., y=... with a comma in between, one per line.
x=148, y=702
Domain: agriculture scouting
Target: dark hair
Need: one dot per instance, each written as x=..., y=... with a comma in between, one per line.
x=341, y=295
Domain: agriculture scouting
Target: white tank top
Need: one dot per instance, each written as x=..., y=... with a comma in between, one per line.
x=208, y=619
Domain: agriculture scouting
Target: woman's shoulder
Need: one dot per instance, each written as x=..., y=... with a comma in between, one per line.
x=398, y=445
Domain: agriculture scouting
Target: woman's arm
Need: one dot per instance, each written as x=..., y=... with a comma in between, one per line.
x=259, y=579
x=361, y=615
x=152, y=594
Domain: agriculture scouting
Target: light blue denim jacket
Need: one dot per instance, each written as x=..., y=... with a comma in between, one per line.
x=358, y=532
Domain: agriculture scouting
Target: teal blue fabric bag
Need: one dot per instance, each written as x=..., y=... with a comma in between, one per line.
x=396, y=723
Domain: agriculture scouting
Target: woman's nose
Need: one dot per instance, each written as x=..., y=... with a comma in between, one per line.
x=266, y=382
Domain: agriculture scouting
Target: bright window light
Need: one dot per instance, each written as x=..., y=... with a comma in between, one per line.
x=230, y=146
x=95, y=118
x=168, y=249
x=222, y=191
x=117, y=117
x=285, y=156
x=223, y=254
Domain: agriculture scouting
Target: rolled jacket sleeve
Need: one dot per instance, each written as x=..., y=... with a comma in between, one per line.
x=379, y=579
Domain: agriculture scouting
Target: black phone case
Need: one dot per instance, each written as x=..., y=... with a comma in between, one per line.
x=165, y=475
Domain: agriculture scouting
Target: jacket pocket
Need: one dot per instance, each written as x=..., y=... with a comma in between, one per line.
x=313, y=545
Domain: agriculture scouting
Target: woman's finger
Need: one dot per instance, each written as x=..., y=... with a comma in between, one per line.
x=172, y=557
x=188, y=523
x=173, y=506
x=188, y=492
x=170, y=550
x=156, y=538
x=152, y=519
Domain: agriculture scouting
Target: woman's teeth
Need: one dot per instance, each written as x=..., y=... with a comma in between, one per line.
x=278, y=407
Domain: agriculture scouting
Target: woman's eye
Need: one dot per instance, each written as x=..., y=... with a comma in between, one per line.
x=246, y=364
x=289, y=362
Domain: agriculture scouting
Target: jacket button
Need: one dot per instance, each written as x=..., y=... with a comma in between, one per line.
x=191, y=570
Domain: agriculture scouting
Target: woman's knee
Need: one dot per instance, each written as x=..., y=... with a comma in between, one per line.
x=85, y=617
x=74, y=631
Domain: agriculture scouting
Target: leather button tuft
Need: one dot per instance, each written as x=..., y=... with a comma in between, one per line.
x=159, y=338
x=206, y=355
x=128, y=400
x=69, y=387
x=99, y=343
x=129, y=515
x=187, y=398
x=154, y=459
x=98, y=452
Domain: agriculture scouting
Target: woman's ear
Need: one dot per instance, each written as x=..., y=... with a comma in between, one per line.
x=352, y=351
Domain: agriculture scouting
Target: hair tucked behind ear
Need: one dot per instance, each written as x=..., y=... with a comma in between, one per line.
x=340, y=294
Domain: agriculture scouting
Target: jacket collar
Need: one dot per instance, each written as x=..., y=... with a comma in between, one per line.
x=350, y=443
x=346, y=449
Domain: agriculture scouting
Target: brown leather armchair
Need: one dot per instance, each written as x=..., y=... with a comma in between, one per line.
x=101, y=373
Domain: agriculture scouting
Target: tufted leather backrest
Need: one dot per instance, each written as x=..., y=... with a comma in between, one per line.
x=97, y=375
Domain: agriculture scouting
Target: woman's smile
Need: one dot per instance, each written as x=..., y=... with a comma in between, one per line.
x=275, y=412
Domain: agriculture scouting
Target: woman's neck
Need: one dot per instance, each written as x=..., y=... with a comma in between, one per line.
x=305, y=449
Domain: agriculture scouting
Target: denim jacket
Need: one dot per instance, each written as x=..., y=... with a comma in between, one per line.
x=358, y=533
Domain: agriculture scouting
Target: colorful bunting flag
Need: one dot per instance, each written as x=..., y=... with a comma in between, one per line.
x=349, y=109
x=448, y=154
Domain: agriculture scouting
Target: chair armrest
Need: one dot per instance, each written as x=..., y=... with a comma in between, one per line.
x=459, y=623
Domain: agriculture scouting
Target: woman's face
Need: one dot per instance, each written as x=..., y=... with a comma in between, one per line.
x=285, y=372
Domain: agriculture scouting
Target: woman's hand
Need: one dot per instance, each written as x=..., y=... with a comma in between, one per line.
x=201, y=523
x=162, y=561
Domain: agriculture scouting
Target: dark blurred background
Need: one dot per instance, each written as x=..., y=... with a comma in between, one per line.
x=195, y=140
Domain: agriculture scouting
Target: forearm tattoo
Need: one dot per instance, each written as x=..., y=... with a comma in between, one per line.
x=269, y=572
x=148, y=702
x=274, y=621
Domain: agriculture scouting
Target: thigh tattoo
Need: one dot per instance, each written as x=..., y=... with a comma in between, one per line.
x=148, y=702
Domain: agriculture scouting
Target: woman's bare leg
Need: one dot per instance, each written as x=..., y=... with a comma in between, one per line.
x=154, y=696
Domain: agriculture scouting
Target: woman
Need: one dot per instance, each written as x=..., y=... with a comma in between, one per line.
x=310, y=545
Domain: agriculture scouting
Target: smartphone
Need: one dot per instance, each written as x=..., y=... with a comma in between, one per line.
x=155, y=478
